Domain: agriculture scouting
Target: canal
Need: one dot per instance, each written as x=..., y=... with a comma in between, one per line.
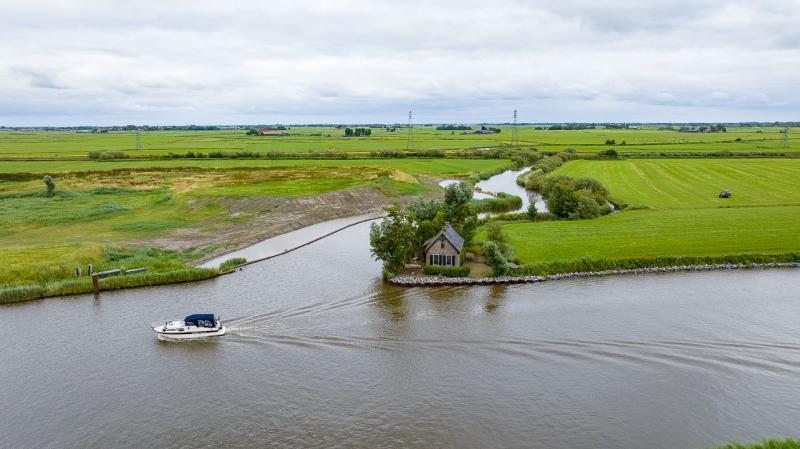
x=321, y=353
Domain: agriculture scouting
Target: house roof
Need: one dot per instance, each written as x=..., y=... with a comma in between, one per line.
x=449, y=234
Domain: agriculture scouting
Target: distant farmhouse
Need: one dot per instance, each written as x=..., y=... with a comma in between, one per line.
x=444, y=248
x=271, y=132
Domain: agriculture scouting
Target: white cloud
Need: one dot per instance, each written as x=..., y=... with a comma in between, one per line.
x=92, y=62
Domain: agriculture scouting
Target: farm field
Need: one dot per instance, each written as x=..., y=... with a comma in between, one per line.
x=430, y=167
x=70, y=144
x=689, y=184
x=684, y=216
x=651, y=233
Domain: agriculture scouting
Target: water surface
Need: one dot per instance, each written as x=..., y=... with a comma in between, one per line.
x=322, y=354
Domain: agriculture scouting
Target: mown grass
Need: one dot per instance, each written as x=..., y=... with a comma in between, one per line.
x=328, y=139
x=670, y=183
x=682, y=216
x=651, y=233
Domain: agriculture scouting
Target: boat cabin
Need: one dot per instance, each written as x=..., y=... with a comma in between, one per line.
x=201, y=320
x=444, y=248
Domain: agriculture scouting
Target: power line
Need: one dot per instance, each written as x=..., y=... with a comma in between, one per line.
x=410, y=143
x=785, y=138
x=138, y=140
x=514, y=137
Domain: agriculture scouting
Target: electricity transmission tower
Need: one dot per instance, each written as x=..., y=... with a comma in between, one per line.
x=410, y=143
x=785, y=138
x=138, y=140
x=514, y=137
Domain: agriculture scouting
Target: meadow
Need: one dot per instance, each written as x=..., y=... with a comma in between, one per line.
x=677, y=214
x=428, y=167
x=109, y=217
x=70, y=144
x=690, y=184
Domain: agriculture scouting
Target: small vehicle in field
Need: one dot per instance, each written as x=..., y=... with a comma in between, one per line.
x=725, y=194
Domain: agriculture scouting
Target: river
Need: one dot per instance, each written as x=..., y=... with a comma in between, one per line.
x=505, y=182
x=321, y=353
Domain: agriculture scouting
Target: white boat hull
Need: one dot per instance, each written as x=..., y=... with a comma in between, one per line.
x=189, y=334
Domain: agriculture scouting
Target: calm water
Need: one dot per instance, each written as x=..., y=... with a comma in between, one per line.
x=505, y=182
x=322, y=354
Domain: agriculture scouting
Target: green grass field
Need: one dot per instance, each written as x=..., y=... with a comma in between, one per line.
x=684, y=216
x=429, y=167
x=652, y=233
x=56, y=144
x=102, y=208
x=690, y=184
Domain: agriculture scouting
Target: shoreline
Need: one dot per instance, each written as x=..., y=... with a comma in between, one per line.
x=419, y=281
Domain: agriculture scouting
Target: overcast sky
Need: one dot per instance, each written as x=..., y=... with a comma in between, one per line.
x=308, y=61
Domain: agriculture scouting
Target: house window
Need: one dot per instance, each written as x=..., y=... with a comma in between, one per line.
x=431, y=259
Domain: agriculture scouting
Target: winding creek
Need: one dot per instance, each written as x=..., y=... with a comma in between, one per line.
x=322, y=353
x=505, y=182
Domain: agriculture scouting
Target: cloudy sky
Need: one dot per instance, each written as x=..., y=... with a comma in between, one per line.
x=71, y=62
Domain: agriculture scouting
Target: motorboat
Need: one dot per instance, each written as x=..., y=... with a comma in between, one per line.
x=199, y=325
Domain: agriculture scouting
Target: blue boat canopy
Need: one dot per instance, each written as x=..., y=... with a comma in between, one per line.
x=201, y=320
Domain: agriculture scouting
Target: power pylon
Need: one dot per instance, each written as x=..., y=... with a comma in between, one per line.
x=514, y=137
x=410, y=142
x=785, y=138
x=138, y=140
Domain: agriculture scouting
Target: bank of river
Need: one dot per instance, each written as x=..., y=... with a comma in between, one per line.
x=505, y=182
x=322, y=353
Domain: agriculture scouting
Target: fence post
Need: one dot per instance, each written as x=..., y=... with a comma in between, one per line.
x=95, y=284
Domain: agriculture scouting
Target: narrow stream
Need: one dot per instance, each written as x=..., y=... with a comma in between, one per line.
x=505, y=182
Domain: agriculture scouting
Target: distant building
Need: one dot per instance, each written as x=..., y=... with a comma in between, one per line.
x=271, y=132
x=444, y=248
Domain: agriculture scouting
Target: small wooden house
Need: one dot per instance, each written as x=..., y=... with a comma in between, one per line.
x=444, y=248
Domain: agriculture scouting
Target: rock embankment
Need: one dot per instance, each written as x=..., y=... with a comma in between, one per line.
x=420, y=281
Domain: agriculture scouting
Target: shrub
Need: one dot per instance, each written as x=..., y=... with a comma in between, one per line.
x=494, y=257
x=566, y=202
x=609, y=154
x=494, y=232
x=230, y=264
x=50, y=184
x=450, y=272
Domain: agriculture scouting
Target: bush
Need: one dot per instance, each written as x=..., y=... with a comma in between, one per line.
x=230, y=264
x=494, y=257
x=609, y=154
x=50, y=184
x=566, y=202
x=450, y=272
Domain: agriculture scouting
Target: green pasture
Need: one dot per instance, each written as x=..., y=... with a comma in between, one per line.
x=429, y=167
x=65, y=144
x=653, y=233
x=683, y=217
x=694, y=183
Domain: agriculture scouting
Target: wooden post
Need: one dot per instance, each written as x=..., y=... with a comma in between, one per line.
x=95, y=284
